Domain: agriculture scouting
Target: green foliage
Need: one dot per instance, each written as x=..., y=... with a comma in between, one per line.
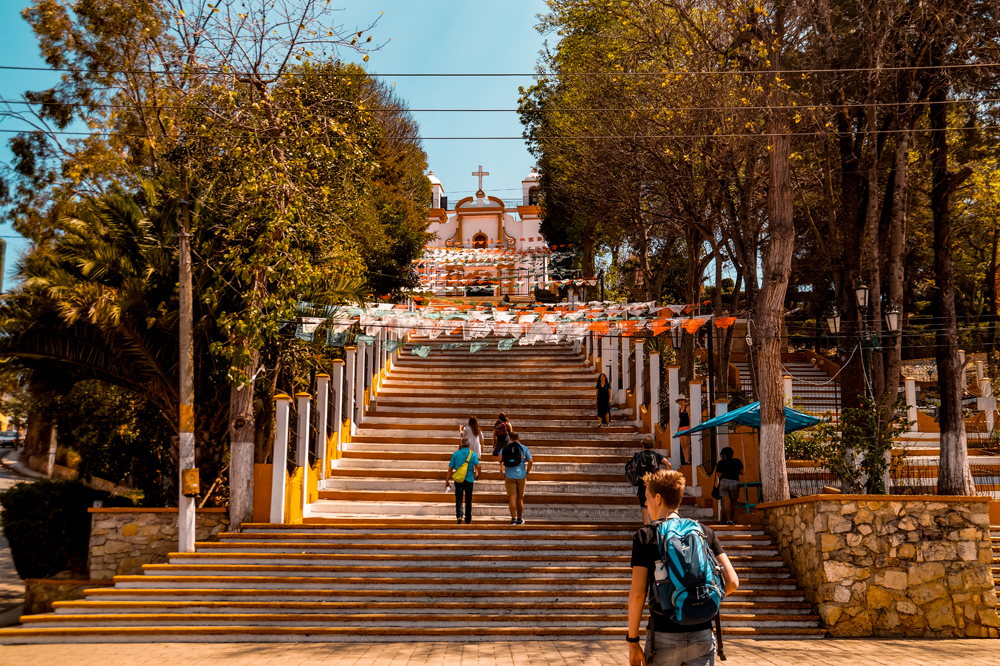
x=48, y=526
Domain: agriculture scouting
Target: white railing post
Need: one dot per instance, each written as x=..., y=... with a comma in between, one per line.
x=640, y=392
x=613, y=376
x=654, y=391
x=338, y=407
x=359, y=383
x=322, y=420
x=696, y=446
x=987, y=402
x=787, y=381
x=674, y=392
x=350, y=373
x=279, y=458
x=303, y=401
x=911, y=402
x=626, y=367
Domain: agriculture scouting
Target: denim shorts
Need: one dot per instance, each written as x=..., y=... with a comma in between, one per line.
x=695, y=648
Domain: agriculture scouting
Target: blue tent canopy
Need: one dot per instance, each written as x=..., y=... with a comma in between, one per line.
x=749, y=415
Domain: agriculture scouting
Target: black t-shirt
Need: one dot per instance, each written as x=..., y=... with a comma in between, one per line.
x=659, y=461
x=604, y=394
x=729, y=469
x=645, y=552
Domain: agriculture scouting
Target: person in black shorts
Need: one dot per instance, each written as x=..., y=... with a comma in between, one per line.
x=603, y=400
x=683, y=423
x=668, y=643
x=729, y=470
x=661, y=461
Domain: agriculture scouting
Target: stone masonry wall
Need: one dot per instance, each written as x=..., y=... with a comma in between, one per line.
x=891, y=566
x=122, y=540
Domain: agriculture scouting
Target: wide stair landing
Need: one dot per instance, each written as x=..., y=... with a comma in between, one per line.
x=403, y=581
x=394, y=465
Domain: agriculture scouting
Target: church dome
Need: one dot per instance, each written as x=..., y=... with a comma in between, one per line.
x=534, y=175
x=431, y=177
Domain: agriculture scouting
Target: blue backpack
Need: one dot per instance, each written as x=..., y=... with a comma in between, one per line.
x=687, y=581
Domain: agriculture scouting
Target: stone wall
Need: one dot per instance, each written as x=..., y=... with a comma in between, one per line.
x=122, y=540
x=891, y=566
x=41, y=593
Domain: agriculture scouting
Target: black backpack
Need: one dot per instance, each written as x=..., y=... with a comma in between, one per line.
x=641, y=464
x=511, y=454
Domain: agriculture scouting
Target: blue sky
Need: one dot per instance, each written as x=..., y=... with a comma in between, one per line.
x=436, y=36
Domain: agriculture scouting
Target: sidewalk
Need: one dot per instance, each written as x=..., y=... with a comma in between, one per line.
x=606, y=653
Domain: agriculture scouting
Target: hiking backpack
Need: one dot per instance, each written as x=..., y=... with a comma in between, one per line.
x=641, y=464
x=511, y=454
x=687, y=581
x=501, y=432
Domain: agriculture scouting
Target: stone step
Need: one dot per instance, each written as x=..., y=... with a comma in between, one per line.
x=440, y=466
x=487, y=486
x=565, y=512
x=450, y=448
x=533, y=497
x=497, y=558
x=604, y=458
x=376, y=420
x=448, y=435
x=436, y=474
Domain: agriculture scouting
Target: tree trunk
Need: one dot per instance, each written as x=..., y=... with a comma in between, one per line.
x=241, y=448
x=777, y=267
x=892, y=348
x=954, y=477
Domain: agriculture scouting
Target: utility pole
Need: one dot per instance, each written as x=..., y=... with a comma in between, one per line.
x=187, y=486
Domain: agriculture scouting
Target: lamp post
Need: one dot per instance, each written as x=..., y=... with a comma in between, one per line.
x=867, y=342
x=600, y=276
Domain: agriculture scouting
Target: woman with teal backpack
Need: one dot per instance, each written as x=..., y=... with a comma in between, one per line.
x=463, y=469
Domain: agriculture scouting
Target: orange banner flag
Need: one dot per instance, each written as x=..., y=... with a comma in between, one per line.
x=692, y=325
x=599, y=327
x=725, y=322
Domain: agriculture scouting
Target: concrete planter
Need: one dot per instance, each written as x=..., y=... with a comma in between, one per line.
x=891, y=566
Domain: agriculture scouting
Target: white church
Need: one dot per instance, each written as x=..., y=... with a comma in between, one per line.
x=484, y=245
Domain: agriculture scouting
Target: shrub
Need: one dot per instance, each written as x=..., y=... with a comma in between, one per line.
x=48, y=526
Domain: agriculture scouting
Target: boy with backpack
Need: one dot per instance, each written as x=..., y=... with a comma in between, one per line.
x=515, y=459
x=642, y=463
x=680, y=565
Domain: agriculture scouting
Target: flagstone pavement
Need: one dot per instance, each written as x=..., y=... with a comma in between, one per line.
x=579, y=653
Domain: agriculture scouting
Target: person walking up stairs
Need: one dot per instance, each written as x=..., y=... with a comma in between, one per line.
x=515, y=458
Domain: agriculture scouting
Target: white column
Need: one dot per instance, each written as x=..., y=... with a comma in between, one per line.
x=613, y=377
x=654, y=391
x=302, y=447
x=987, y=403
x=787, y=380
x=586, y=348
x=979, y=371
x=350, y=374
x=626, y=366
x=322, y=421
x=338, y=407
x=361, y=364
x=695, y=388
x=279, y=459
x=606, y=358
x=961, y=362
x=674, y=392
x=911, y=402
x=721, y=432
x=640, y=396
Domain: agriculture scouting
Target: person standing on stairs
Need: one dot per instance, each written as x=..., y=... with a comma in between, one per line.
x=667, y=642
x=683, y=423
x=654, y=460
x=463, y=469
x=515, y=459
x=603, y=401
x=729, y=470
x=471, y=434
x=501, y=433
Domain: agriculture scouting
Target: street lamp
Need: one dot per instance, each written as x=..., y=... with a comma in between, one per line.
x=676, y=334
x=892, y=318
x=600, y=276
x=833, y=320
x=861, y=294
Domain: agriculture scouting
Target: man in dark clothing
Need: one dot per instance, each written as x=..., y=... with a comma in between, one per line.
x=667, y=643
x=661, y=461
x=729, y=470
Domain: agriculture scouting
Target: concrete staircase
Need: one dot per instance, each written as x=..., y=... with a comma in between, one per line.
x=380, y=558
x=395, y=462
x=813, y=390
x=406, y=581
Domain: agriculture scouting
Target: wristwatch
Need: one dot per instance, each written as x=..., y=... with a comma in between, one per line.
x=629, y=639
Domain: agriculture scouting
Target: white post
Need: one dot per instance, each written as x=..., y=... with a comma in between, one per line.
x=322, y=421
x=606, y=357
x=302, y=447
x=654, y=391
x=987, y=402
x=586, y=347
x=979, y=371
x=788, y=390
x=695, y=388
x=911, y=402
x=961, y=361
x=50, y=465
x=280, y=457
x=338, y=408
x=361, y=364
x=626, y=367
x=722, y=431
x=640, y=394
x=674, y=392
x=350, y=373
x=613, y=376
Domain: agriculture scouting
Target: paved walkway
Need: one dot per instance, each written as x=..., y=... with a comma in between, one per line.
x=606, y=653
x=11, y=585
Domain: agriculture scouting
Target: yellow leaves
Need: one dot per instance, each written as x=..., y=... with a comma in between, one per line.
x=366, y=58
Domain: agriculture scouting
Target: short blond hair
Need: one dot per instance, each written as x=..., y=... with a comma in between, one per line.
x=668, y=484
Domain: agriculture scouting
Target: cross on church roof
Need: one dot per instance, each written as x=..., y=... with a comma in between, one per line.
x=480, y=173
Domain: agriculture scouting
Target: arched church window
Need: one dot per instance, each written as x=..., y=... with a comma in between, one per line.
x=533, y=196
x=479, y=241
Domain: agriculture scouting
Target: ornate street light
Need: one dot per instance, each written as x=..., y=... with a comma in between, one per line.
x=833, y=320
x=676, y=338
x=861, y=294
x=892, y=318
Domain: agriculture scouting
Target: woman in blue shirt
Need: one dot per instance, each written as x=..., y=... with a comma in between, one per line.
x=467, y=457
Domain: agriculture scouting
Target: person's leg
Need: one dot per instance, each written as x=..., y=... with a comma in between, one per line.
x=520, y=499
x=511, y=486
x=727, y=513
x=697, y=649
x=468, y=501
x=685, y=450
x=458, y=499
